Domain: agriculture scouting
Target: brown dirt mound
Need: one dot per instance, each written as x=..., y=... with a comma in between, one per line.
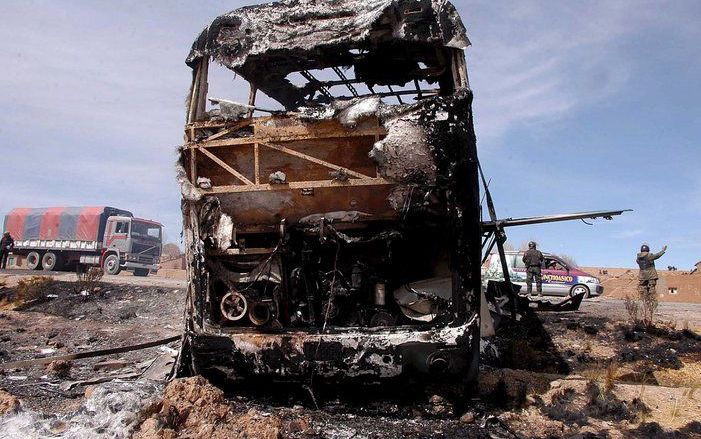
x=193, y=408
x=8, y=403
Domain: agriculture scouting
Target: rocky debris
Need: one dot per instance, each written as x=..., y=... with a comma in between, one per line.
x=440, y=406
x=590, y=329
x=127, y=314
x=59, y=368
x=53, y=325
x=192, y=407
x=8, y=403
x=467, y=418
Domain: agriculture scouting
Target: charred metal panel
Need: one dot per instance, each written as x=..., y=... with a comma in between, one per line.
x=303, y=35
x=353, y=354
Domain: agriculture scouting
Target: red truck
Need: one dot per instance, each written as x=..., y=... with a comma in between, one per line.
x=60, y=238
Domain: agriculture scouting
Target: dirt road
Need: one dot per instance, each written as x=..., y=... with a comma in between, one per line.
x=10, y=278
x=615, y=309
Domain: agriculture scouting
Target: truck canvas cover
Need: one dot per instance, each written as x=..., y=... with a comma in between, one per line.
x=60, y=223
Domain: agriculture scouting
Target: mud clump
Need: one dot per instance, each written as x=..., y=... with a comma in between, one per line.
x=8, y=403
x=192, y=407
x=59, y=368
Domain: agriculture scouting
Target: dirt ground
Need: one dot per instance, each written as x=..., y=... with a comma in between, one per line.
x=587, y=373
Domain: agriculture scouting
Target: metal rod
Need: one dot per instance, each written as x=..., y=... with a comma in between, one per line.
x=345, y=80
x=398, y=94
x=309, y=77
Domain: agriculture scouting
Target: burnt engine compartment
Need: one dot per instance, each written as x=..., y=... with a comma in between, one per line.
x=327, y=276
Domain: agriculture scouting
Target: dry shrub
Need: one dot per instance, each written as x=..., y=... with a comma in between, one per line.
x=633, y=309
x=610, y=377
x=604, y=404
x=32, y=289
x=88, y=279
x=641, y=311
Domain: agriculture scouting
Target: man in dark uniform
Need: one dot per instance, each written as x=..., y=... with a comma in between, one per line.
x=6, y=245
x=534, y=261
x=647, y=278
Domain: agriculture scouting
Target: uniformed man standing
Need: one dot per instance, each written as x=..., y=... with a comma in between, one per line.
x=6, y=245
x=647, y=278
x=533, y=259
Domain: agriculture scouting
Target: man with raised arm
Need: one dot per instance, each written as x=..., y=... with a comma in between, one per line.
x=647, y=278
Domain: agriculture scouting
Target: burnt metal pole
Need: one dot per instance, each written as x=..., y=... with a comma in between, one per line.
x=500, y=238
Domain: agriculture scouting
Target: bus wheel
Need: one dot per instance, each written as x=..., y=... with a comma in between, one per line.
x=50, y=261
x=34, y=261
x=111, y=264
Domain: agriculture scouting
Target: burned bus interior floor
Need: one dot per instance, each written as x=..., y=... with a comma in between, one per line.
x=338, y=236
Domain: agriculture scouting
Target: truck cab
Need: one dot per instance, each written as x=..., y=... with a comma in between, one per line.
x=131, y=243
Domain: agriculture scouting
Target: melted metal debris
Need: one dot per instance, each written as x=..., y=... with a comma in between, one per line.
x=298, y=35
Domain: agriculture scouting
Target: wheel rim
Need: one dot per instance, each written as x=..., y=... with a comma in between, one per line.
x=579, y=290
x=110, y=265
x=234, y=306
x=49, y=262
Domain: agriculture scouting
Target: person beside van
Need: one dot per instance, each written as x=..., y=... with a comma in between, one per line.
x=533, y=259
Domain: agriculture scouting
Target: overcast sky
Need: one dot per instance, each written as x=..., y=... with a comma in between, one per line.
x=578, y=106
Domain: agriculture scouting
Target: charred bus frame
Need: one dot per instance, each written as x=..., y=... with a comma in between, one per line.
x=339, y=237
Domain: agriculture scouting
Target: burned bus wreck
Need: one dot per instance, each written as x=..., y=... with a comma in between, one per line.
x=339, y=237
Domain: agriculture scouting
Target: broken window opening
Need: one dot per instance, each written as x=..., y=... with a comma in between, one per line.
x=321, y=86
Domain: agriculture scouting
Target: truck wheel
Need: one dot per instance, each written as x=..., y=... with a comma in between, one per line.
x=141, y=272
x=34, y=261
x=50, y=261
x=579, y=289
x=111, y=264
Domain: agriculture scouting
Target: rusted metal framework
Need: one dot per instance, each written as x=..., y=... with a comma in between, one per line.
x=274, y=139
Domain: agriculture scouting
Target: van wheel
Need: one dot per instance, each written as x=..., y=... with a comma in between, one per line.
x=34, y=261
x=579, y=289
x=111, y=265
x=50, y=261
x=141, y=272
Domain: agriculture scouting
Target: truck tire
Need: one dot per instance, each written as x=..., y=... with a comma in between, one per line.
x=141, y=272
x=111, y=264
x=34, y=261
x=50, y=261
